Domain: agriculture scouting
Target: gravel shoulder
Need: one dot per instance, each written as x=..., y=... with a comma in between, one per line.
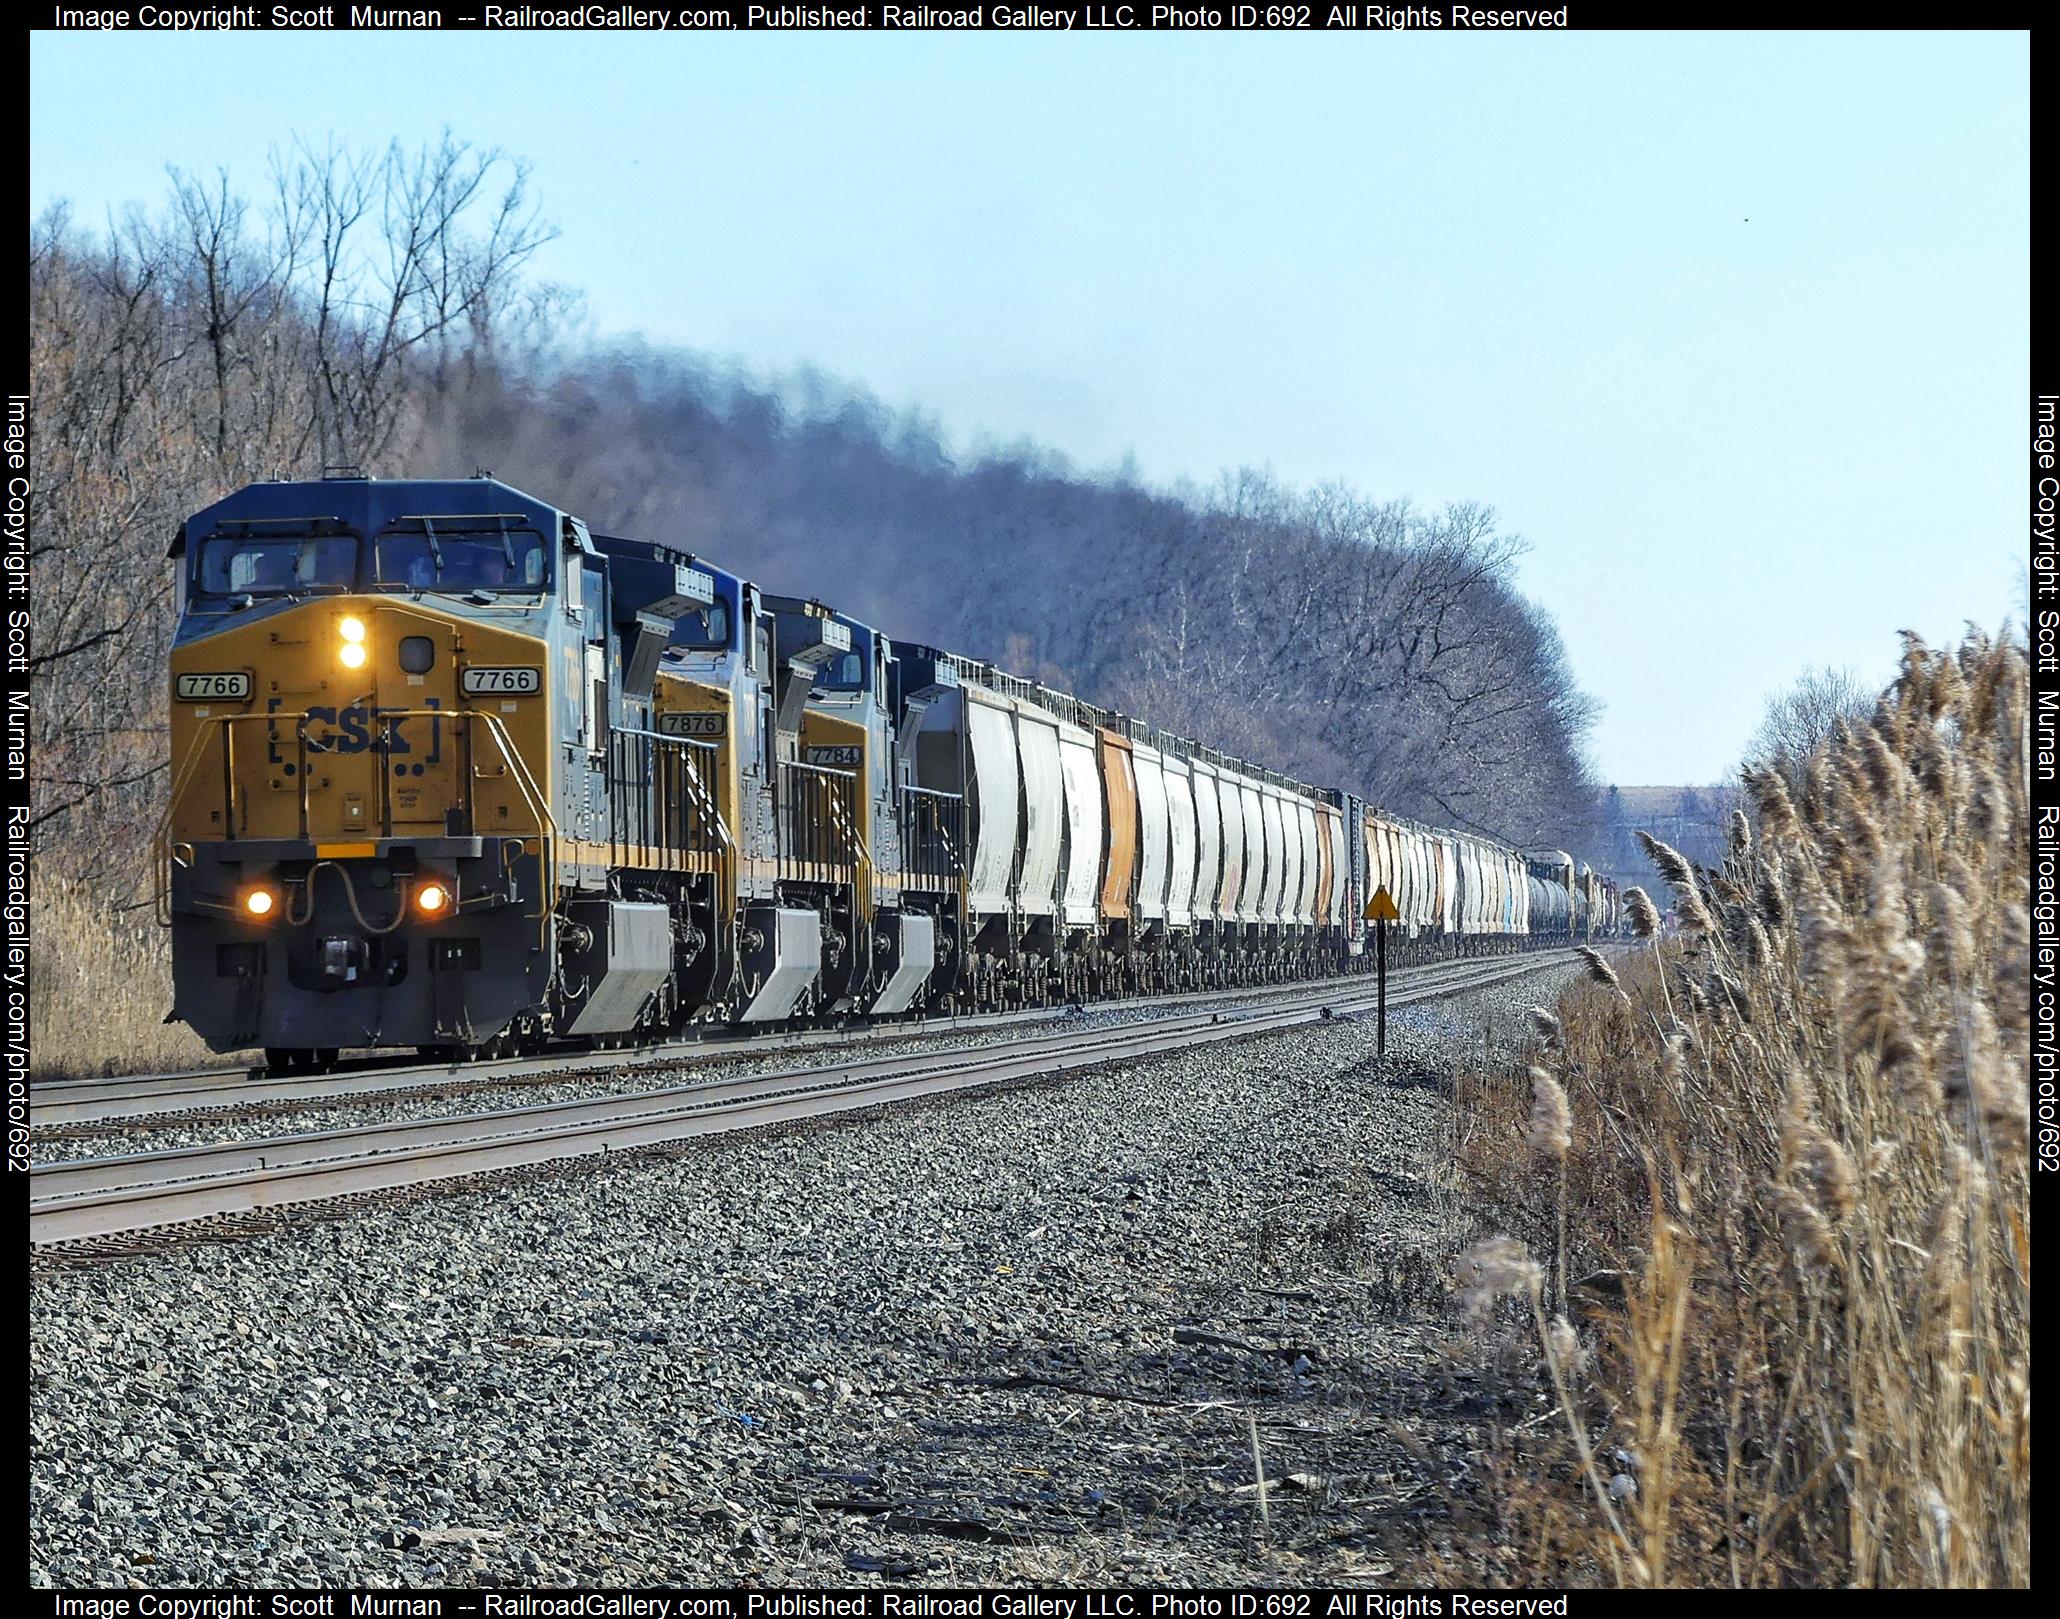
x=1023, y=1336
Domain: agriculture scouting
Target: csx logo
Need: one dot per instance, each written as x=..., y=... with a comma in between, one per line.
x=357, y=729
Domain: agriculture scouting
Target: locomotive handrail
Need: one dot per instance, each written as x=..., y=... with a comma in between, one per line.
x=532, y=794
x=846, y=816
x=546, y=829
x=658, y=791
x=163, y=844
x=812, y=821
x=666, y=736
x=942, y=811
x=670, y=739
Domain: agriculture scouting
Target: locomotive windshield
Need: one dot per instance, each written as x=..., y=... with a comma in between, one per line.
x=843, y=673
x=438, y=559
x=251, y=565
x=705, y=630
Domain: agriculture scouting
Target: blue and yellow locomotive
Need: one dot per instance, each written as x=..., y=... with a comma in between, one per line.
x=416, y=795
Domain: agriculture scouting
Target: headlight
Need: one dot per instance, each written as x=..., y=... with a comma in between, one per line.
x=351, y=655
x=431, y=898
x=352, y=629
x=258, y=902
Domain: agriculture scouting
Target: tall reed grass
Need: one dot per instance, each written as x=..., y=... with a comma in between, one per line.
x=100, y=983
x=1795, y=1183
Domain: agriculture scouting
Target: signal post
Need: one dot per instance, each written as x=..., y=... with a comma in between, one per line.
x=1381, y=910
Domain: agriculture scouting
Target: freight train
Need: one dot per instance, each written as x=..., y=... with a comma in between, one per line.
x=451, y=771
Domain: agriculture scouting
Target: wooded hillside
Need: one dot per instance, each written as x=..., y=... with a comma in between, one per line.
x=379, y=311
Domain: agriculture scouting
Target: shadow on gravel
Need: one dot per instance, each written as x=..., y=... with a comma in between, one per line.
x=1143, y=1459
x=1394, y=1076
x=1319, y=1342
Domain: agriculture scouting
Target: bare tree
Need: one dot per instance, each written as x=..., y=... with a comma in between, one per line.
x=173, y=358
x=399, y=272
x=378, y=309
x=1804, y=717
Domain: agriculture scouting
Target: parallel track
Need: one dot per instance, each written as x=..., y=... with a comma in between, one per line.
x=142, y=1096
x=98, y=1198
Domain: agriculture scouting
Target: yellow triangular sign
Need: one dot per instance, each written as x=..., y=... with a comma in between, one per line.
x=1381, y=908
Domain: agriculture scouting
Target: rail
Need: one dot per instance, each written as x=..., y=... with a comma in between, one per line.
x=86, y=1105
x=93, y=1198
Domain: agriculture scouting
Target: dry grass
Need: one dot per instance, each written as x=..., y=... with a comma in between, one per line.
x=101, y=983
x=1800, y=1139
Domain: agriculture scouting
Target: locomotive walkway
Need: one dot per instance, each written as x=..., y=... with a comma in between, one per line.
x=79, y=1202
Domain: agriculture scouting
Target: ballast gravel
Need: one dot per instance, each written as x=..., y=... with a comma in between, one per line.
x=1030, y=1335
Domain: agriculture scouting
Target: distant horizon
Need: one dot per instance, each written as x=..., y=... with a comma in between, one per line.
x=1731, y=328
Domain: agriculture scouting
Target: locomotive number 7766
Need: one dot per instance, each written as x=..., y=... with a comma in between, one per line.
x=234, y=685
x=486, y=682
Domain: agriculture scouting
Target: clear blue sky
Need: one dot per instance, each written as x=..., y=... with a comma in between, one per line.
x=1732, y=328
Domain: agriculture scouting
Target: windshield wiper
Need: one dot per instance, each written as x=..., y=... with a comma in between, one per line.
x=476, y=597
x=435, y=550
x=419, y=591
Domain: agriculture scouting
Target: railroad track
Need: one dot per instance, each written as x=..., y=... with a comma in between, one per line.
x=52, y=1107
x=94, y=1199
